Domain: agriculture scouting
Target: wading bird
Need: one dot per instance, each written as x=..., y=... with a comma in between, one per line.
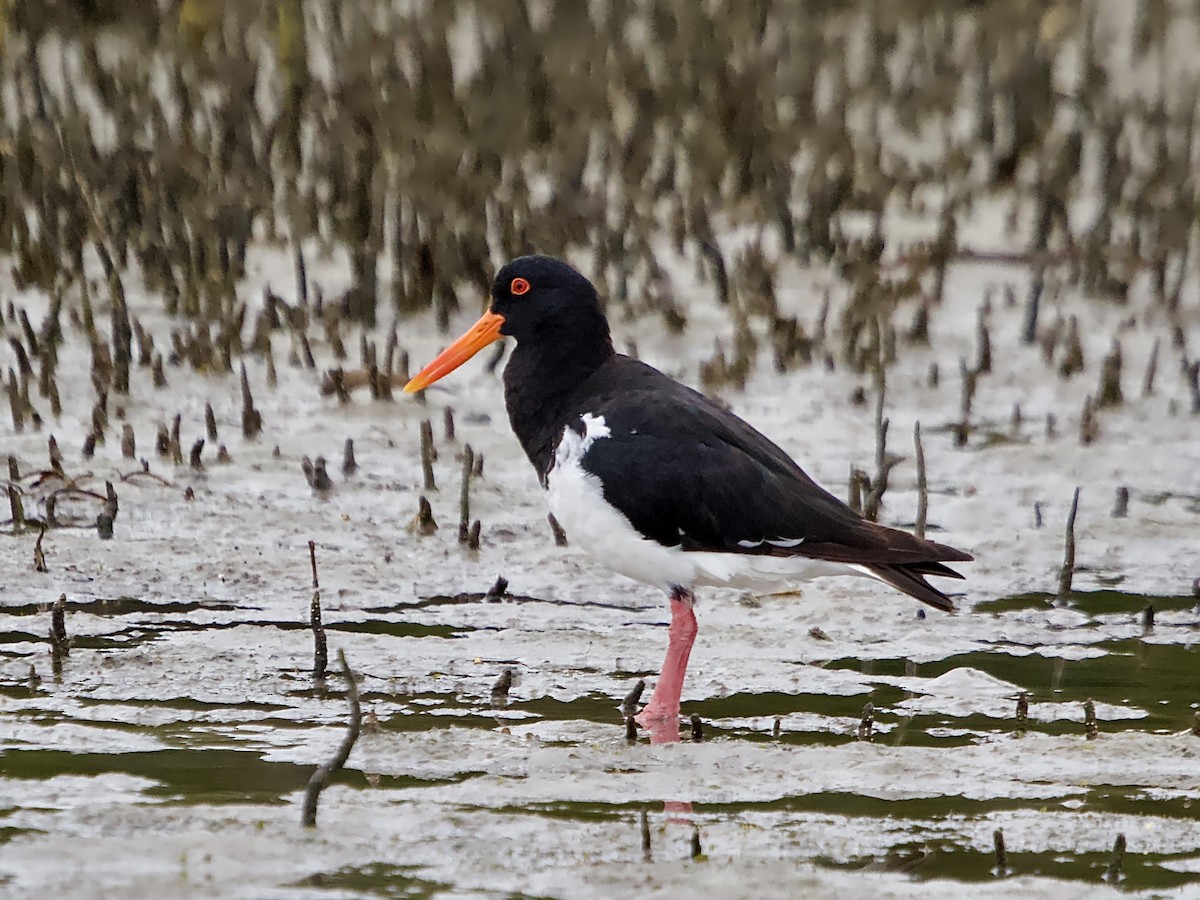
x=657, y=481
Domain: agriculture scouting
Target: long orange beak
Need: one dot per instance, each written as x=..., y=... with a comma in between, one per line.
x=485, y=331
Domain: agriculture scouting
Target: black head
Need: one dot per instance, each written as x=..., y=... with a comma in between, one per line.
x=551, y=310
x=541, y=295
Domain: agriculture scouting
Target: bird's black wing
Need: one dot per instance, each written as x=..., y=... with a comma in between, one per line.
x=689, y=474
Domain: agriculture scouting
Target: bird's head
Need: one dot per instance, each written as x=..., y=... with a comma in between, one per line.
x=532, y=297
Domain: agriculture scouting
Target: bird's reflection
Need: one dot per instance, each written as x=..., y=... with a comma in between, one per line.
x=666, y=731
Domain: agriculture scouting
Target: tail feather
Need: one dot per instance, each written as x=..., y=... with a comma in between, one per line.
x=910, y=579
x=933, y=568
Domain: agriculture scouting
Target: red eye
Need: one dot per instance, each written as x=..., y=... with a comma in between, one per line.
x=518, y=287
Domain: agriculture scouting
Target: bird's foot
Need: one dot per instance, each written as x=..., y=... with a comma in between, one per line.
x=653, y=713
x=662, y=723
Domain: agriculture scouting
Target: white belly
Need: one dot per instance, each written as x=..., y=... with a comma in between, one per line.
x=577, y=500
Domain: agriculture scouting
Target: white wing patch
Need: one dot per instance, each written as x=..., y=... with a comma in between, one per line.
x=774, y=542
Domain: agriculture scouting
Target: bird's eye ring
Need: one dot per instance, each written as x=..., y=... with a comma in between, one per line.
x=518, y=287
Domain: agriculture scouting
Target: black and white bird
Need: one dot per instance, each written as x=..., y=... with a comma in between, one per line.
x=657, y=481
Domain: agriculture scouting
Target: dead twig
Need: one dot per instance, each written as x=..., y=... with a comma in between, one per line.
x=922, y=484
x=320, y=647
x=320, y=778
x=464, y=496
x=1068, y=566
x=39, y=557
x=428, y=454
x=630, y=703
x=60, y=644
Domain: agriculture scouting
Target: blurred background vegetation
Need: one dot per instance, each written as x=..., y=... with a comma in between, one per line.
x=429, y=141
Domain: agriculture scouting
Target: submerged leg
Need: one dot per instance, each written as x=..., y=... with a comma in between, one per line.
x=664, y=702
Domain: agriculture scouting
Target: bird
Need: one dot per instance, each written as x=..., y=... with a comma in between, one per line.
x=658, y=481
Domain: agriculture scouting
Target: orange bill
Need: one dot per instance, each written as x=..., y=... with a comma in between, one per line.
x=485, y=331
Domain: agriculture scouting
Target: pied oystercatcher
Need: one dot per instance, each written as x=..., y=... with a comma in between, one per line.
x=659, y=482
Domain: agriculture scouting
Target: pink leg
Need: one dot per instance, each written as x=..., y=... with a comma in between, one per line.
x=663, y=708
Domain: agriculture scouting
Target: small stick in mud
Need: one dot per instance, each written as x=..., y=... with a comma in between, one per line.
x=60, y=644
x=1148, y=617
x=922, y=484
x=1037, y=514
x=1121, y=506
x=336, y=383
x=194, y=456
x=867, y=724
x=876, y=487
x=633, y=698
x=1090, y=727
x=320, y=778
x=108, y=515
x=1193, y=380
x=56, y=460
x=983, y=342
x=448, y=422
x=1109, y=392
x=631, y=729
x=1151, y=371
x=644, y=824
x=425, y=523
x=697, y=852
x=501, y=688
x=962, y=429
x=428, y=454
x=322, y=484
x=1113, y=873
x=496, y=592
x=697, y=728
x=320, y=647
x=157, y=374
x=464, y=495
x=251, y=418
x=15, y=506
x=473, y=535
x=349, y=463
x=210, y=423
x=128, y=442
x=777, y=728
x=1089, y=425
x=176, y=446
x=1072, y=360
x=39, y=557
x=1068, y=566
x=560, y=536
x=1001, y=854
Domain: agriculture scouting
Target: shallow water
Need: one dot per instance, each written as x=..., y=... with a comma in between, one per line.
x=168, y=753
x=208, y=727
